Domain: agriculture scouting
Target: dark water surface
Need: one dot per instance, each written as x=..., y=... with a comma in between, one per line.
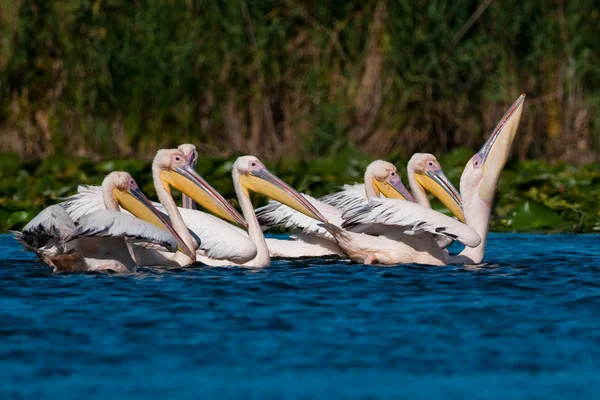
x=525, y=325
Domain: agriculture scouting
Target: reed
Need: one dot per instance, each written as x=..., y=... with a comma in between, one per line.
x=296, y=78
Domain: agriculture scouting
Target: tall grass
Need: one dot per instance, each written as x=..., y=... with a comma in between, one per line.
x=100, y=78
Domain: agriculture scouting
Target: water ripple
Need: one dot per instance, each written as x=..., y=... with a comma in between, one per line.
x=523, y=324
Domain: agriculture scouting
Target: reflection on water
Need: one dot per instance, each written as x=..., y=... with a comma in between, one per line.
x=523, y=324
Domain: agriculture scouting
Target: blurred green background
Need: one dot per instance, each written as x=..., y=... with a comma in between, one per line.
x=316, y=88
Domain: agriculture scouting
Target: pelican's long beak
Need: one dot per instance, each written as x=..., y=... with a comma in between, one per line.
x=496, y=149
x=393, y=188
x=437, y=183
x=187, y=181
x=266, y=183
x=138, y=204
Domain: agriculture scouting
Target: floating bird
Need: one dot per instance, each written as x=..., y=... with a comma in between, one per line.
x=311, y=239
x=249, y=174
x=104, y=239
x=388, y=231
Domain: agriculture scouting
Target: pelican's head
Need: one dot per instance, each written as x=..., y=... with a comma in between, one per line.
x=190, y=152
x=173, y=170
x=385, y=178
x=126, y=193
x=482, y=172
x=429, y=175
x=253, y=175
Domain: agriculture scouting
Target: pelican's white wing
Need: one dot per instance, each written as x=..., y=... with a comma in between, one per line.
x=107, y=223
x=349, y=196
x=87, y=200
x=382, y=216
x=46, y=231
x=214, y=237
x=277, y=214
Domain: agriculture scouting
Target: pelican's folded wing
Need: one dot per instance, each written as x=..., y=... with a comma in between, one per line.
x=276, y=214
x=412, y=218
x=107, y=223
x=46, y=230
x=348, y=197
x=88, y=200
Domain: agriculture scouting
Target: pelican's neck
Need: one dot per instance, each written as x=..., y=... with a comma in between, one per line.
x=417, y=190
x=175, y=216
x=255, y=234
x=187, y=202
x=109, y=199
x=370, y=191
x=477, y=216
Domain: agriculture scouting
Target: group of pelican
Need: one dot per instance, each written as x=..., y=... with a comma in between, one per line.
x=116, y=227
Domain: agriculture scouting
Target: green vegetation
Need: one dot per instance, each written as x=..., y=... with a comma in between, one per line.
x=105, y=78
x=532, y=196
x=318, y=88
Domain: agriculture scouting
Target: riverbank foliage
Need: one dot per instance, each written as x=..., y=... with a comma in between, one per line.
x=532, y=196
x=105, y=78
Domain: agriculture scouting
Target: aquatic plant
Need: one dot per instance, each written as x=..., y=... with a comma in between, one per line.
x=532, y=195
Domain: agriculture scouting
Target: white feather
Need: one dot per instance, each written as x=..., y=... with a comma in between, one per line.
x=277, y=214
x=408, y=218
x=348, y=197
x=214, y=237
x=45, y=233
x=107, y=223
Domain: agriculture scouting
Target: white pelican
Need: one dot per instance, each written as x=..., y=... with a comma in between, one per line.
x=386, y=222
x=250, y=174
x=105, y=239
x=311, y=239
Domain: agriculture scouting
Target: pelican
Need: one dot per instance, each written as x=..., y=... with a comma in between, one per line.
x=387, y=231
x=250, y=174
x=105, y=239
x=311, y=239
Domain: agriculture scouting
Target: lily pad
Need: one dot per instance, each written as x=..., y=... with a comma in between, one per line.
x=530, y=215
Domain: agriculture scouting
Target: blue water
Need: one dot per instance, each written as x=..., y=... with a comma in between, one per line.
x=525, y=325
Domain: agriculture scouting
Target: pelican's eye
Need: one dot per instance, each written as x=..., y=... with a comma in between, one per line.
x=477, y=161
x=253, y=164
